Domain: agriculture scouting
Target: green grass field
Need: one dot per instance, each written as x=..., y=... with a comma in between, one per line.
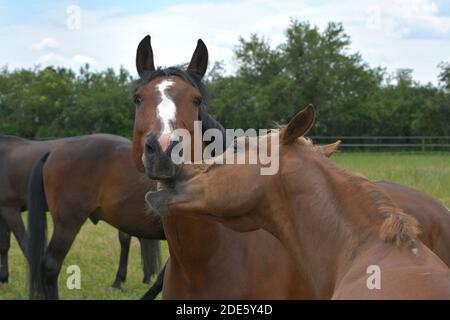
x=427, y=172
x=96, y=249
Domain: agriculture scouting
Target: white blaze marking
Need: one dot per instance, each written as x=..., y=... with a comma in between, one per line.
x=166, y=109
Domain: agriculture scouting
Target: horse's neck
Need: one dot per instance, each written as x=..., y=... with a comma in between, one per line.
x=193, y=242
x=321, y=234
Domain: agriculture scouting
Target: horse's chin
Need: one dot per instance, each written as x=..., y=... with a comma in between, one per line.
x=158, y=202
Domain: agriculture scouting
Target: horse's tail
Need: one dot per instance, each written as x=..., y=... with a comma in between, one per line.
x=37, y=227
x=157, y=287
x=151, y=258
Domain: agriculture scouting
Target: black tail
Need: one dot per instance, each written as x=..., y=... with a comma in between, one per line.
x=157, y=287
x=151, y=258
x=37, y=228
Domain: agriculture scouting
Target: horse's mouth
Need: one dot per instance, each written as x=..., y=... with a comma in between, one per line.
x=166, y=179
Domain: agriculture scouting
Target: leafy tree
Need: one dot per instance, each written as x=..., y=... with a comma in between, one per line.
x=270, y=85
x=310, y=67
x=55, y=102
x=444, y=75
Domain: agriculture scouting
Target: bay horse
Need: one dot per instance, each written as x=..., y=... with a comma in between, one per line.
x=17, y=157
x=87, y=177
x=338, y=226
x=207, y=260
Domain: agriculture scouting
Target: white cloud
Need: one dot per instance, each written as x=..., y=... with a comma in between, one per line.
x=406, y=17
x=74, y=62
x=394, y=34
x=51, y=59
x=47, y=43
x=81, y=60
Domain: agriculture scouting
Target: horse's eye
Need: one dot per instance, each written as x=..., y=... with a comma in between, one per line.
x=197, y=101
x=137, y=100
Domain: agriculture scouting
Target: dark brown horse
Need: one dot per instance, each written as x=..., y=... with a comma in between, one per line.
x=86, y=177
x=349, y=239
x=17, y=157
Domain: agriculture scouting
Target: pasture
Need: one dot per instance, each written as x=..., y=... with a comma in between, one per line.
x=96, y=249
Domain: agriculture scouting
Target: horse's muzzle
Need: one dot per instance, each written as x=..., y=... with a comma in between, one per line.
x=157, y=163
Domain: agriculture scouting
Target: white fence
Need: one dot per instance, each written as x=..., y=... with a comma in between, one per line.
x=381, y=143
x=408, y=143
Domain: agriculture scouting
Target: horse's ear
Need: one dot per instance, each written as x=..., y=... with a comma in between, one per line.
x=299, y=125
x=199, y=60
x=144, y=56
x=329, y=149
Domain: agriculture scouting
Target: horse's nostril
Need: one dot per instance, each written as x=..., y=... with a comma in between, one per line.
x=152, y=145
x=149, y=148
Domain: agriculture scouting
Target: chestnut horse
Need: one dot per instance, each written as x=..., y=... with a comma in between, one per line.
x=349, y=239
x=86, y=177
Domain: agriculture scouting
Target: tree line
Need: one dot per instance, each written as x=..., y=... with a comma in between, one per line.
x=269, y=86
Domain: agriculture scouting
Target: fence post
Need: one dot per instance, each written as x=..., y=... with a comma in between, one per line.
x=423, y=144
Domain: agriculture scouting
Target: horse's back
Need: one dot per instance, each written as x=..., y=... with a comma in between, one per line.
x=404, y=273
x=77, y=168
x=95, y=174
x=100, y=147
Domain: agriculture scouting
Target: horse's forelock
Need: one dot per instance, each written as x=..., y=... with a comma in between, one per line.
x=191, y=77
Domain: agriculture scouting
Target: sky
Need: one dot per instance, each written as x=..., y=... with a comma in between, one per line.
x=393, y=34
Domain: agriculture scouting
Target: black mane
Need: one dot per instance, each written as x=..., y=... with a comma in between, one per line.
x=208, y=122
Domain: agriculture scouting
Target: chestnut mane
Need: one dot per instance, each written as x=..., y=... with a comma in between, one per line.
x=397, y=226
